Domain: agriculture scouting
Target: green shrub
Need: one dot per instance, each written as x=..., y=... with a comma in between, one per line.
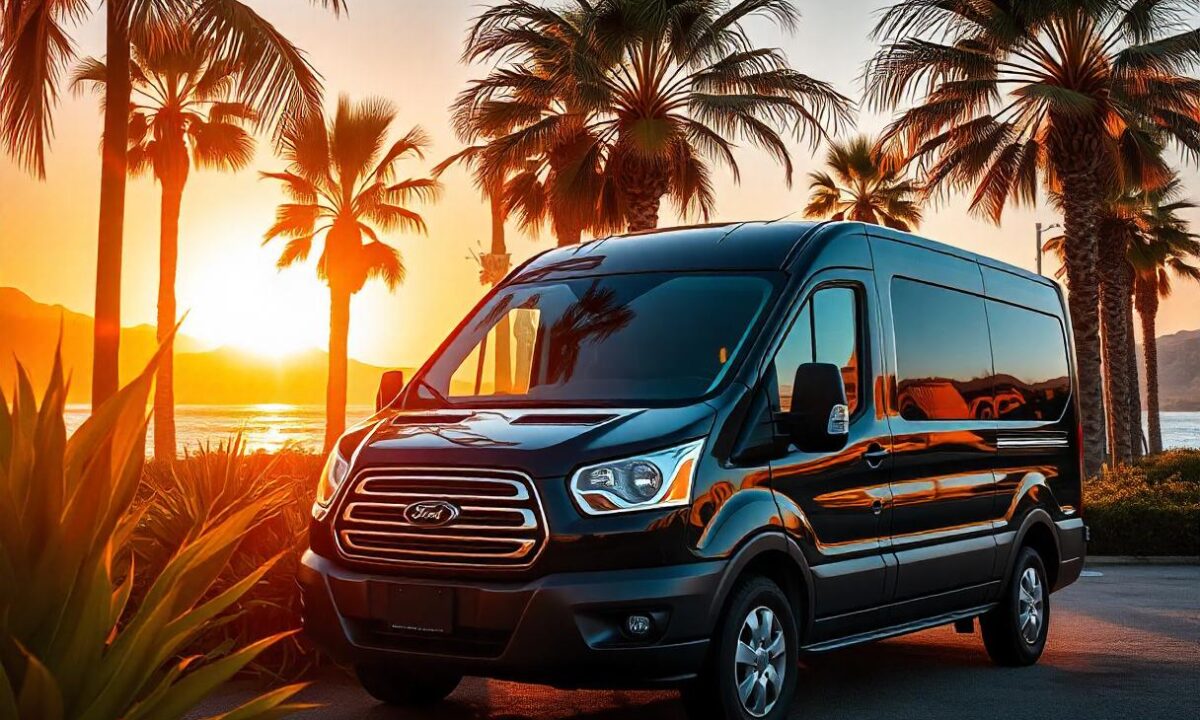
x=73, y=644
x=210, y=484
x=1149, y=508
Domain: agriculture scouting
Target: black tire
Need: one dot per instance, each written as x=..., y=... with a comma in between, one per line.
x=715, y=694
x=405, y=688
x=1010, y=638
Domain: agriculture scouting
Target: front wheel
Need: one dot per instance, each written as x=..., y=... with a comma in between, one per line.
x=1014, y=632
x=401, y=688
x=751, y=673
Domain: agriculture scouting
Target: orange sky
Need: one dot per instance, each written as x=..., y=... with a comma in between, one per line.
x=405, y=50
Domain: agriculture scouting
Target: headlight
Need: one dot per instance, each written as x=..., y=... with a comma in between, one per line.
x=654, y=480
x=335, y=472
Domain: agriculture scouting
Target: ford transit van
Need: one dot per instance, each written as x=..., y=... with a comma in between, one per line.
x=686, y=457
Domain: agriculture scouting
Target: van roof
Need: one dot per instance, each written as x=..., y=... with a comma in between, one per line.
x=746, y=246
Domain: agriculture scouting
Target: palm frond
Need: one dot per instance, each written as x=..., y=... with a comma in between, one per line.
x=293, y=220
x=295, y=250
x=35, y=51
x=276, y=77
x=383, y=262
x=221, y=145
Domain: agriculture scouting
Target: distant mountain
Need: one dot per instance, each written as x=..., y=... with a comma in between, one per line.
x=29, y=331
x=1178, y=370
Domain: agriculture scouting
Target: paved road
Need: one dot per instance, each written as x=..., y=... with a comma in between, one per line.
x=1125, y=645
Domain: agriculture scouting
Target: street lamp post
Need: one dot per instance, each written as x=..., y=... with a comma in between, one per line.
x=1040, y=230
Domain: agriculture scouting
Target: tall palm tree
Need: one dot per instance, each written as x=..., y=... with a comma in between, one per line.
x=182, y=112
x=863, y=186
x=1167, y=247
x=651, y=90
x=35, y=51
x=341, y=180
x=1066, y=93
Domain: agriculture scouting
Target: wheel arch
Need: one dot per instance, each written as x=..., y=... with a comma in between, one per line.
x=773, y=555
x=1038, y=532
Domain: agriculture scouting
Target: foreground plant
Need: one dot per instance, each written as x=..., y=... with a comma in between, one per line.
x=72, y=644
x=209, y=485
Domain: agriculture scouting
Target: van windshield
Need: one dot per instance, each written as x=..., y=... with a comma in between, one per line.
x=608, y=340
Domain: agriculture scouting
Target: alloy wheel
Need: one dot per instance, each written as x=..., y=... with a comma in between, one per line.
x=1030, y=600
x=760, y=665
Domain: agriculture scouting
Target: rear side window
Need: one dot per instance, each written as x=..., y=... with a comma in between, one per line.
x=1030, y=353
x=943, y=354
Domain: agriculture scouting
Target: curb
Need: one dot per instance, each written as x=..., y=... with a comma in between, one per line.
x=1142, y=560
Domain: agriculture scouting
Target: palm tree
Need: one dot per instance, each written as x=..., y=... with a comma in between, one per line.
x=1064, y=93
x=343, y=190
x=181, y=113
x=35, y=50
x=649, y=90
x=864, y=187
x=1167, y=247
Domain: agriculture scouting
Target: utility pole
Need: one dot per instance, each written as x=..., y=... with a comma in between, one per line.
x=1038, y=249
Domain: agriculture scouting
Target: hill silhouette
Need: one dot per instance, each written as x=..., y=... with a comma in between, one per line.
x=29, y=332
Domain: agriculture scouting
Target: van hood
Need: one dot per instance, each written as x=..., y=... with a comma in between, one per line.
x=540, y=442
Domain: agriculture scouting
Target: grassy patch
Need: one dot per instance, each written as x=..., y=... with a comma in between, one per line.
x=1149, y=508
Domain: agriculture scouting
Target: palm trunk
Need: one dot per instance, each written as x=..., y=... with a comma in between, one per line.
x=168, y=260
x=1081, y=208
x=1135, y=393
x=1147, y=307
x=644, y=187
x=107, y=329
x=1113, y=299
x=503, y=364
x=335, y=394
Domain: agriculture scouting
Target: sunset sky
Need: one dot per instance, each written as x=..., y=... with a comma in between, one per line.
x=407, y=51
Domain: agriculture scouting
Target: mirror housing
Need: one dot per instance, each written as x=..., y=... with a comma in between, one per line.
x=390, y=385
x=819, y=420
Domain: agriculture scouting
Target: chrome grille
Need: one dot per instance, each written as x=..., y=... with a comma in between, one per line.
x=500, y=523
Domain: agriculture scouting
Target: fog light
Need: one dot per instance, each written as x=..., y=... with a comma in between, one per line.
x=638, y=625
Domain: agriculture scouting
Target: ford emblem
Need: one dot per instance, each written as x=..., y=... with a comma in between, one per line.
x=431, y=513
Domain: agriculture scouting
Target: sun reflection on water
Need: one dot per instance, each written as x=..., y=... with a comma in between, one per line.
x=265, y=427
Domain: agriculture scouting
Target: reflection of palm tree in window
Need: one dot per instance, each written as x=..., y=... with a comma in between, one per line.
x=593, y=317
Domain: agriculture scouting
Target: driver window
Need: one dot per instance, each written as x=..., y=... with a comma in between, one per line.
x=826, y=330
x=502, y=363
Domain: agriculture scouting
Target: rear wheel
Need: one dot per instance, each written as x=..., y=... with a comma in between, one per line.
x=1014, y=632
x=405, y=688
x=751, y=673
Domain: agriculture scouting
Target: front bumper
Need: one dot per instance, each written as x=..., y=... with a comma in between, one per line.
x=564, y=629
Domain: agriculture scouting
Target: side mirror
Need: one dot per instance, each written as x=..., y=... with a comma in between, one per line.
x=390, y=385
x=820, y=418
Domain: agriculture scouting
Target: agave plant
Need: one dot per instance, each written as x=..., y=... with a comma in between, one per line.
x=210, y=484
x=72, y=645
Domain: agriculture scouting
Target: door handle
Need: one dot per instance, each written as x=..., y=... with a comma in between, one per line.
x=875, y=455
x=877, y=506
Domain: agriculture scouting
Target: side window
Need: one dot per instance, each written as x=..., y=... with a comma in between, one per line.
x=825, y=330
x=1030, y=354
x=943, y=353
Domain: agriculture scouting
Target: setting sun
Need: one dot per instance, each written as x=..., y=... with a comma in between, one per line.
x=243, y=302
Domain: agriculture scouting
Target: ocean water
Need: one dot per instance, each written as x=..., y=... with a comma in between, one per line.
x=1179, y=429
x=266, y=427
x=271, y=427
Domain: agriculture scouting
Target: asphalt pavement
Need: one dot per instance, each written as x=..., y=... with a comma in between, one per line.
x=1124, y=644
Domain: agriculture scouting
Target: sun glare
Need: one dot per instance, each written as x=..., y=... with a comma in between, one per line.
x=245, y=304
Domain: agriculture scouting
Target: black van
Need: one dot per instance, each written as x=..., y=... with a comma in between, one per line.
x=686, y=457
